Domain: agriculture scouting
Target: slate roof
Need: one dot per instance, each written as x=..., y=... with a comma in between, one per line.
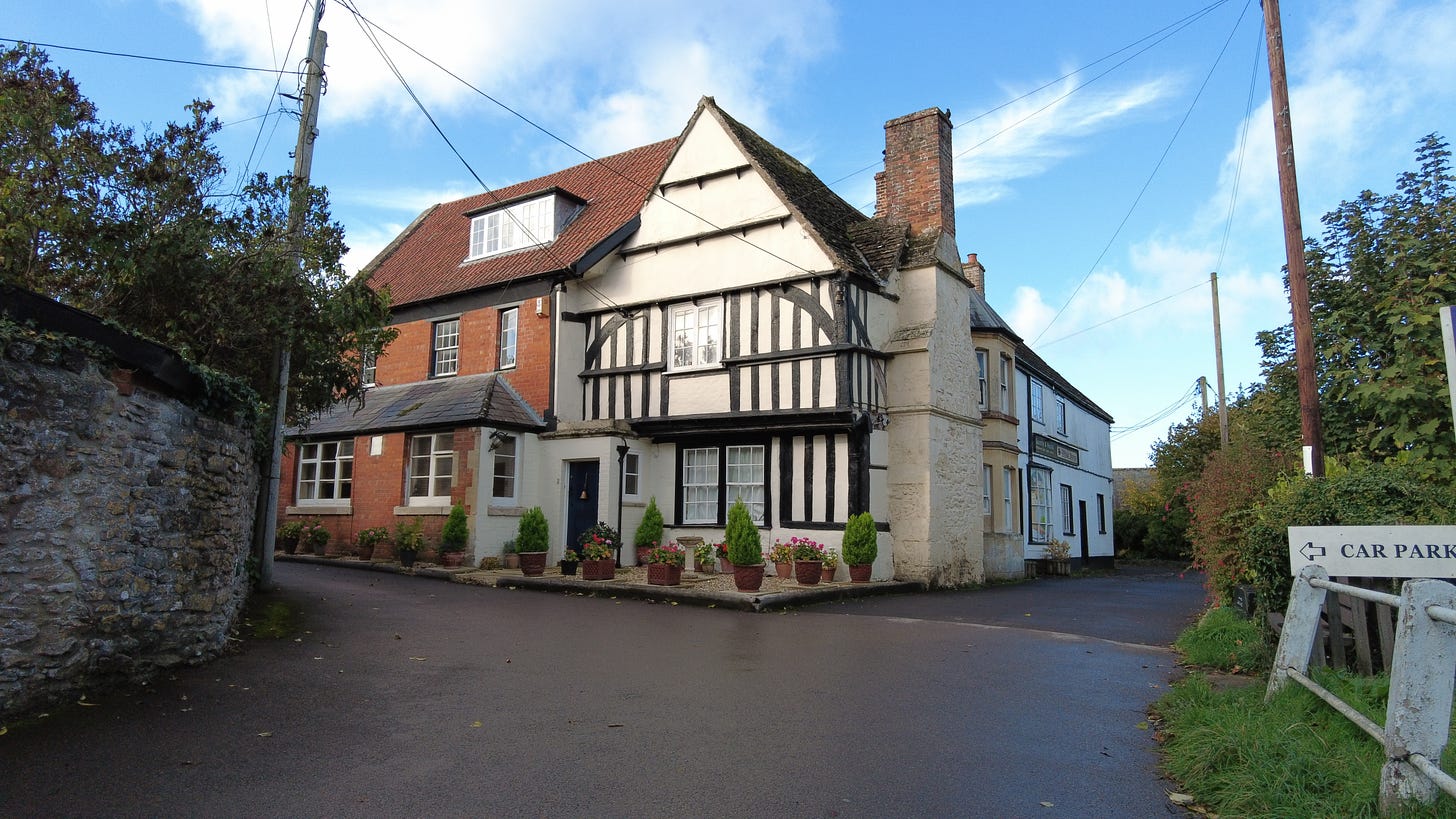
x=486, y=399
x=855, y=242
x=427, y=260
x=985, y=317
x=1038, y=367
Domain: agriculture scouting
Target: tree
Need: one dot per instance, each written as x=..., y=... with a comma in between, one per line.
x=129, y=228
x=1377, y=279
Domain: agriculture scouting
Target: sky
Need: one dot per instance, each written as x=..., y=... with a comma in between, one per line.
x=1109, y=157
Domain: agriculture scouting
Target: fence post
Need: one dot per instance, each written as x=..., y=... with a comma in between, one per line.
x=1418, y=712
x=1301, y=623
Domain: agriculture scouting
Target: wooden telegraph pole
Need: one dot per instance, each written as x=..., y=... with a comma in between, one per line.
x=1312, y=435
x=297, y=211
x=1223, y=420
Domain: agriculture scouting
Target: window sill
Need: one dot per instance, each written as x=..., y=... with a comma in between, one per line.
x=319, y=509
x=506, y=511
x=422, y=510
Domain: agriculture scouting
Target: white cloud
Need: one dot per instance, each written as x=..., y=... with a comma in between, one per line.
x=408, y=200
x=632, y=70
x=1029, y=136
x=365, y=244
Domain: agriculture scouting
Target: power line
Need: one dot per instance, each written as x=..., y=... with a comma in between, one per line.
x=1123, y=432
x=1243, y=142
x=144, y=56
x=1124, y=315
x=277, y=81
x=1146, y=184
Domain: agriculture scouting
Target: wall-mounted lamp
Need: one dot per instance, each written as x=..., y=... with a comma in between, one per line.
x=497, y=438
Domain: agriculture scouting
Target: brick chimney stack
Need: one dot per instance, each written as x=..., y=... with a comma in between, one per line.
x=975, y=273
x=917, y=185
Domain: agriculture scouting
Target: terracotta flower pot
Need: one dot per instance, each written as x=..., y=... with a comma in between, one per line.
x=703, y=568
x=748, y=578
x=662, y=574
x=533, y=564
x=642, y=555
x=604, y=569
x=807, y=572
x=784, y=570
x=452, y=560
x=828, y=575
x=860, y=572
x=725, y=565
x=568, y=567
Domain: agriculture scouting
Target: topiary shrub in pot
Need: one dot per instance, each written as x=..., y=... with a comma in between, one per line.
x=649, y=531
x=369, y=538
x=533, y=538
x=453, y=537
x=861, y=546
x=745, y=548
x=288, y=535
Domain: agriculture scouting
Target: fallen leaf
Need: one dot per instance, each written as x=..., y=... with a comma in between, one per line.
x=83, y=701
x=615, y=724
x=1028, y=614
x=397, y=637
x=1180, y=798
x=1047, y=804
x=265, y=733
x=419, y=659
x=475, y=724
x=1142, y=726
x=4, y=730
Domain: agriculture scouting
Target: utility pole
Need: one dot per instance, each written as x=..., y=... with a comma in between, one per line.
x=1223, y=429
x=1311, y=433
x=1203, y=390
x=297, y=210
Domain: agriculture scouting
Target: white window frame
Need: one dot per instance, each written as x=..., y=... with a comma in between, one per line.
x=981, y=378
x=700, y=485
x=368, y=369
x=325, y=468
x=1039, y=483
x=986, y=490
x=1101, y=514
x=696, y=336
x=445, y=347
x=632, y=475
x=1038, y=412
x=430, y=465
x=746, y=472
x=1008, y=484
x=509, y=325
x=1005, y=385
x=1062, y=416
x=1068, y=519
x=506, y=453
x=531, y=223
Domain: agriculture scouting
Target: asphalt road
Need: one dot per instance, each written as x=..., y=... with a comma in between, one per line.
x=412, y=697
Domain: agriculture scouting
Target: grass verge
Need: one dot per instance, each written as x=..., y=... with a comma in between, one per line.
x=1225, y=640
x=271, y=619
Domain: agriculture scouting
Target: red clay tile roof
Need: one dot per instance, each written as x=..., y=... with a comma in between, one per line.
x=426, y=262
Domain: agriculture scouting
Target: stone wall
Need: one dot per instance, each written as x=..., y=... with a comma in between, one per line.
x=125, y=520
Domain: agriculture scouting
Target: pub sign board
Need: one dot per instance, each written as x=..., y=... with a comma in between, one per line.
x=1375, y=551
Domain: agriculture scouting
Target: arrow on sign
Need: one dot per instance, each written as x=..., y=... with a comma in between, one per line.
x=1311, y=551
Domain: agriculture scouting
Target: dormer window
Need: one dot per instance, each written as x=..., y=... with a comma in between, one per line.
x=529, y=223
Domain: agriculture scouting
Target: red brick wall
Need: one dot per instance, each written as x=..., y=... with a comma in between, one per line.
x=918, y=184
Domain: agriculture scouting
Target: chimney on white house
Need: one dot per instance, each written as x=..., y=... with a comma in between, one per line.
x=917, y=185
x=975, y=273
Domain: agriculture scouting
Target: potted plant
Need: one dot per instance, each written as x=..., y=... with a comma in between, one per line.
x=316, y=537
x=782, y=556
x=509, y=558
x=861, y=546
x=808, y=560
x=745, y=548
x=831, y=565
x=408, y=539
x=665, y=564
x=369, y=538
x=1058, y=557
x=649, y=531
x=453, y=536
x=703, y=558
x=598, y=552
x=288, y=535
x=533, y=537
x=721, y=551
x=569, y=562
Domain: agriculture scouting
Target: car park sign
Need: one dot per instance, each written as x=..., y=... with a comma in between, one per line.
x=1375, y=551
